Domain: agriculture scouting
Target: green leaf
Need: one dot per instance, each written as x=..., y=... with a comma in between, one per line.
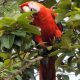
x=63, y=4
x=76, y=8
x=65, y=77
x=2, y=32
x=69, y=52
x=76, y=1
x=60, y=59
x=25, y=18
x=18, y=77
x=60, y=16
x=68, y=33
x=76, y=46
x=7, y=62
x=21, y=33
x=18, y=64
x=22, y=1
x=66, y=43
x=62, y=77
x=71, y=13
x=7, y=41
x=49, y=3
x=55, y=52
x=66, y=40
x=7, y=21
x=30, y=73
x=63, y=8
x=32, y=29
x=1, y=64
x=4, y=55
x=24, y=23
x=75, y=17
x=1, y=26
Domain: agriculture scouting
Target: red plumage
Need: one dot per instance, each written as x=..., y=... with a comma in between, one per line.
x=49, y=31
x=49, y=28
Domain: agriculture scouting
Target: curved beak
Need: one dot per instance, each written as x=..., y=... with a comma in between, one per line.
x=26, y=9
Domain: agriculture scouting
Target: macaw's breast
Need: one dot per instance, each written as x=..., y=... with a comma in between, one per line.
x=45, y=21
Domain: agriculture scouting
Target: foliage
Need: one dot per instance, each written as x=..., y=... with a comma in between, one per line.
x=18, y=48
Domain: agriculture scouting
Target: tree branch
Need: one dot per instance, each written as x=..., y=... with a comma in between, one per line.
x=26, y=65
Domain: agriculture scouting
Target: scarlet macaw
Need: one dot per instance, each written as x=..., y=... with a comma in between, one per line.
x=49, y=31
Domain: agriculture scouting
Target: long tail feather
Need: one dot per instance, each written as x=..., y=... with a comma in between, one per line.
x=47, y=69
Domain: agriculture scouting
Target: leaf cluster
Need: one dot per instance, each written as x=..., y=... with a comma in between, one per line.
x=17, y=45
x=69, y=48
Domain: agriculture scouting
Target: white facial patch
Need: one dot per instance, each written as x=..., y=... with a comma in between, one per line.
x=26, y=9
x=34, y=6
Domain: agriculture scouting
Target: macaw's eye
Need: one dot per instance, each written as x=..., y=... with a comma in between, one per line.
x=32, y=9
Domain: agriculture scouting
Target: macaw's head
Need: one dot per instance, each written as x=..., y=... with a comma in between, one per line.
x=30, y=6
x=38, y=8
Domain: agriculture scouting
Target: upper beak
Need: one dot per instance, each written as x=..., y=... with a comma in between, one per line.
x=26, y=9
